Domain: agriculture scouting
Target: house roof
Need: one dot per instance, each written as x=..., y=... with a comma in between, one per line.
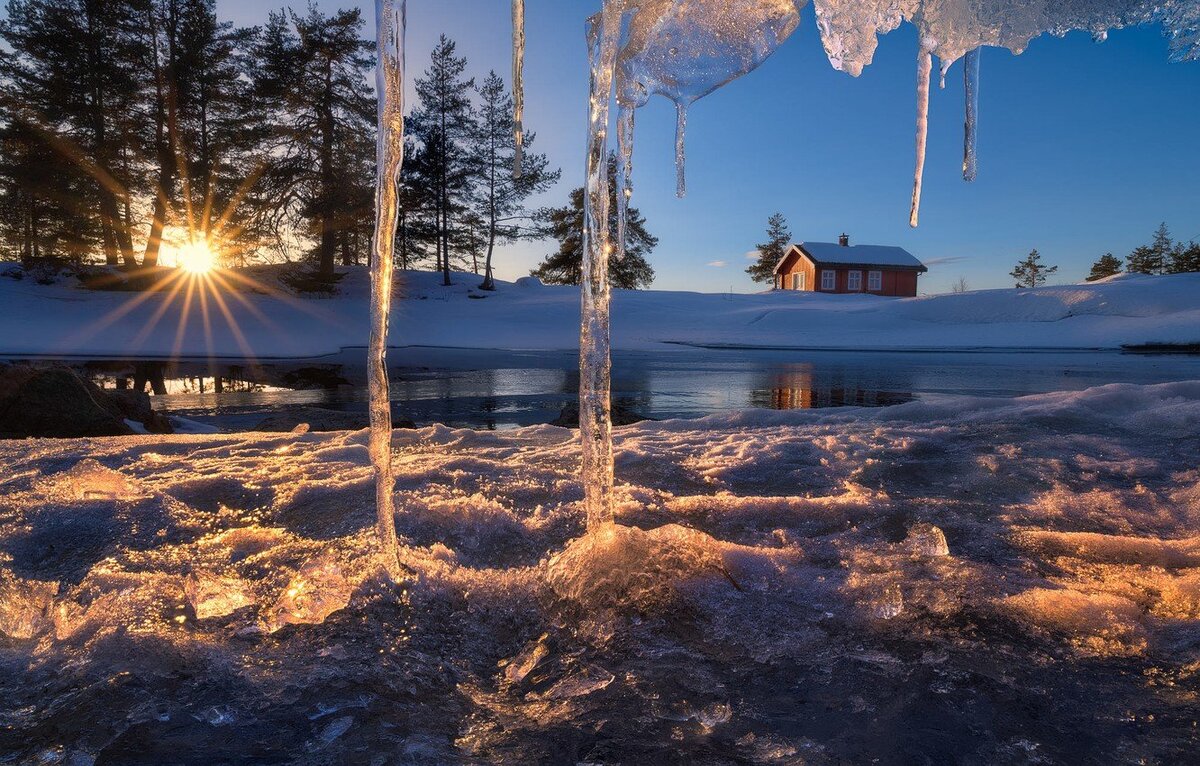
x=831, y=253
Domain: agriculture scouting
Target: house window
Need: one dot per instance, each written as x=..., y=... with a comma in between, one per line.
x=875, y=281
x=854, y=281
x=798, y=281
x=828, y=280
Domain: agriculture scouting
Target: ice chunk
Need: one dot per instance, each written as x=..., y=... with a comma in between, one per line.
x=318, y=590
x=589, y=680
x=212, y=595
x=927, y=541
x=90, y=480
x=887, y=602
x=529, y=658
x=25, y=606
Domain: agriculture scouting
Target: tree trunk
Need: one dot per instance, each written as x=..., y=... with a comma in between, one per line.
x=325, y=213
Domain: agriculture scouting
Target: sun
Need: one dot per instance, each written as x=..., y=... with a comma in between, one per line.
x=196, y=257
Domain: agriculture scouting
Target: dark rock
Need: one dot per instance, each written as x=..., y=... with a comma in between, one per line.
x=318, y=419
x=135, y=405
x=621, y=416
x=55, y=402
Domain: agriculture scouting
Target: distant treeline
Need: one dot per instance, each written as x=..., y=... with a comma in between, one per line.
x=1160, y=256
x=120, y=119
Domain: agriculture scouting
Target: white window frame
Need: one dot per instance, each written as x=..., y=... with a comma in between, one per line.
x=875, y=281
x=828, y=279
x=854, y=281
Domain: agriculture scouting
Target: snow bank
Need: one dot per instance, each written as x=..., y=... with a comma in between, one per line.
x=1017, y=570
x=270, y=322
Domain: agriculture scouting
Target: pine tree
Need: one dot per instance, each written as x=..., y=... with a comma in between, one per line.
x=1185, y=260
x=565, y=224
x=779, y=239
x=1106, y=266
x=1031, y=272
x=499, y=196
x=443, y=123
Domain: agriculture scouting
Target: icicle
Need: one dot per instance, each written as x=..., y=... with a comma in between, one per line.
x=390, y=18
x=924, y=74
x=595, y=362
x=625, y=117
x=518, y=74
x=944, y=67
x=970, y=143
x=680, y=150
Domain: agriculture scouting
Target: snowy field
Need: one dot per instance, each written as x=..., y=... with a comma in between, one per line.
x=270, y=322
x=199, y=599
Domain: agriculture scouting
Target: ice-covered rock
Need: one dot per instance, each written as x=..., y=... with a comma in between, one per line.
x=25, y=606
x=626, y=566
x=212, y=595
x=927, y=541
x=318, y=590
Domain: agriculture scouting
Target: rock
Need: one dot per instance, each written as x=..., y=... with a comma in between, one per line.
x=55, y=402
x=621, y=416
x=135, y=405
x=529, y=282
x=318, y=419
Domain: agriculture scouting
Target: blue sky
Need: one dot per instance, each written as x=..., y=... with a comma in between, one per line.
x=1084, y=147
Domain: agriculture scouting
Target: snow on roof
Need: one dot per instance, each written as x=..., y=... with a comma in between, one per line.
x=857, y=255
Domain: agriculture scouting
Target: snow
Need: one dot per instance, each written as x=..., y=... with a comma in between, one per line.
x=62, y=320
x=1015, y=570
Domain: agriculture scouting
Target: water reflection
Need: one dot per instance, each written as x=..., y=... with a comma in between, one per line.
x=803, y=388
x=504, y=389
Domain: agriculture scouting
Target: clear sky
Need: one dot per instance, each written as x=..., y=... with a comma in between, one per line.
x=1084, y=147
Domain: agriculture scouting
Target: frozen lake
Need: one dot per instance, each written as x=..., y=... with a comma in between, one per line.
x=489, y=389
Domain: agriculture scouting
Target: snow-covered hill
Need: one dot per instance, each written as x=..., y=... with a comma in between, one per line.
x=64, y=319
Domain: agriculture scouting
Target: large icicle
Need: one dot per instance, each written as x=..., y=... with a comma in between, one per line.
x=971, y=124
x=595, y=362
x=518, y=83
x=924, y=74
x=390, y=18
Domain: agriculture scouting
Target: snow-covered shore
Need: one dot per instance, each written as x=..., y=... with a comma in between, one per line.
x=63, y=320
x=158, y=604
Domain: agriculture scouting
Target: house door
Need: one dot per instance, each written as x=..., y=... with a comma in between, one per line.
x=798, y=281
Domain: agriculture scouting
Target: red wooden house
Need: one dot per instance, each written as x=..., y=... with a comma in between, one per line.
x=842, y=268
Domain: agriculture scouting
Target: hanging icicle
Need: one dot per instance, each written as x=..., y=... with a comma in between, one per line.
x=518, y=76
x=924, y=75
x=625, y=119
x=680, y=150
x=970, y=141
x=391, y=19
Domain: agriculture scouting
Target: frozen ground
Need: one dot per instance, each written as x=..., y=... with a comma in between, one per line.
x=161, y=598
x=272, y=323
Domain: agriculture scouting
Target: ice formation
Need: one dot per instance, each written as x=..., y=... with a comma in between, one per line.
x=318, y=590
x=389, y=85
x=686, y=49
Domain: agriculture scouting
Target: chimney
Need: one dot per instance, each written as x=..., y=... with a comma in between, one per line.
x=844, y=240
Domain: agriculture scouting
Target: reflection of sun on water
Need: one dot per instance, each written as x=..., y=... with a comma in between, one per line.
x=195, y=257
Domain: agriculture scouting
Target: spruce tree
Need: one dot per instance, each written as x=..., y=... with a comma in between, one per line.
x=1031, y=272
x=499, y=196
x=1106, y=266
x=565, y=224
x=770, y=253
